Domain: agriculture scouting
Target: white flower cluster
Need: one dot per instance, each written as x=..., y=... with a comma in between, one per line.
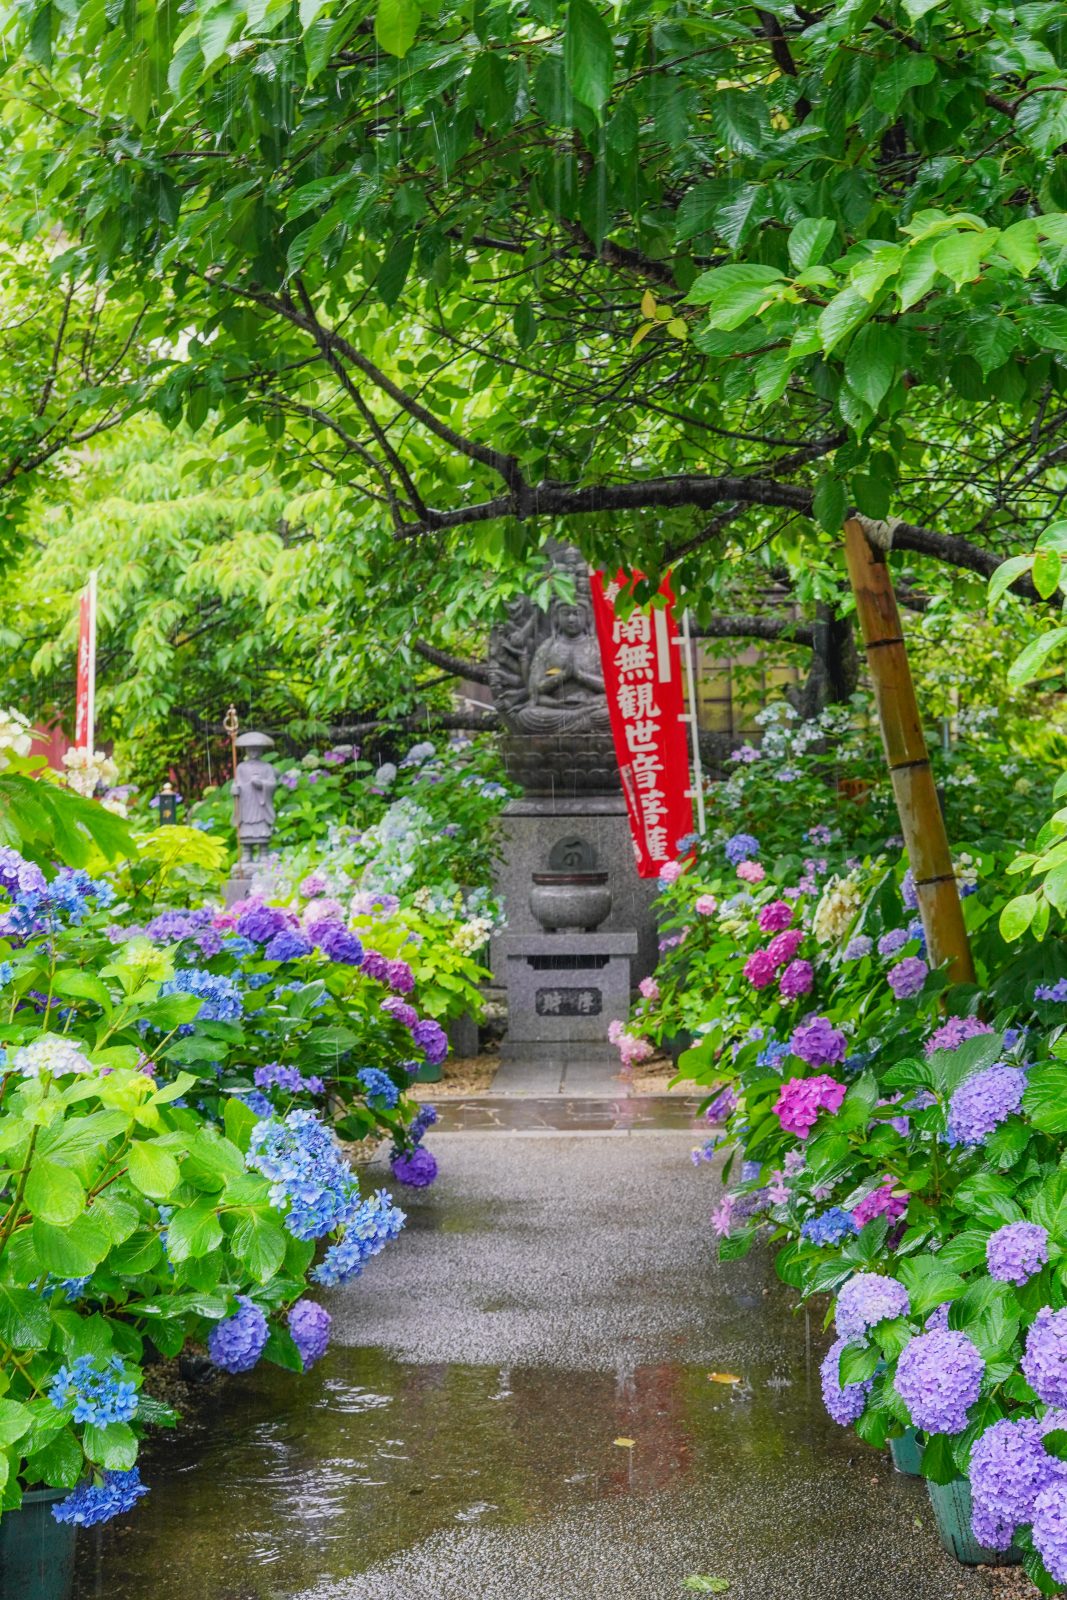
x=966, y=871
x=15, y=734
x=471, y=935
x=88, y=770
x=50, y=1052
x=837, y=910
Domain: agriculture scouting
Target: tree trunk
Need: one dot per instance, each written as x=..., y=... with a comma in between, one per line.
x=921, y=821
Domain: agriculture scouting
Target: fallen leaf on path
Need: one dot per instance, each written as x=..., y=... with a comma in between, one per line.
x=723, y=1377
x=627, y=1444
x=699, y=1585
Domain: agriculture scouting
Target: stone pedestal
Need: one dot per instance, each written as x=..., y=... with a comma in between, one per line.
x=529, y=829
x=237, y=887
x=563, y=991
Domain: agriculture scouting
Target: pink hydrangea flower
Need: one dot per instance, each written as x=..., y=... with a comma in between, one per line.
x=671, y=871
x=881, y=1202
x=760, y=969
x=796, y=980
x=706, y=905
x=775, y=915
x=649, y=988
x=751, y=872
x=801, y=1100
x=784, y=946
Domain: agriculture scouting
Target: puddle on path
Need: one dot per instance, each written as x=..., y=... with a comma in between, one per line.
x=282, y=1486
x=563, y=1114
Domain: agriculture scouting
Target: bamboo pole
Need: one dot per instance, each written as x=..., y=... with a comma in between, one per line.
x=921, y=821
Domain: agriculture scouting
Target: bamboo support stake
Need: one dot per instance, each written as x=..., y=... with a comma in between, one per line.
x=921, y=821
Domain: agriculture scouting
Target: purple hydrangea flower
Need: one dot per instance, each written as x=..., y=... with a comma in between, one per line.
x=908, y=892
x=1009, y=1467
x=983, y=1101
x=276, y=1076
x=289, y=944
x=260, y=923
x=907, y=977
x=1049, y=1526
x=844, y=1402
x=417, y=1168
x=742, y=847
x=858, y=947
x=338, y=943
x=431, y=1039
x=375, y=966
x=818, y=1043
x=796, y=980
x=309, y=1325
x=954, y=1031
x=1052, y=991
x=892, y=942
x=237, y=1343
x=1045, y=1362
x=400, y=1011
x=1016, y=1251
x=867, y=1299
x=938, y=1378
x=400, y=977
x=93, y=1503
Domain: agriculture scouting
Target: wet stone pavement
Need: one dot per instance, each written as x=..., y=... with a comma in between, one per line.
x=523, y=1402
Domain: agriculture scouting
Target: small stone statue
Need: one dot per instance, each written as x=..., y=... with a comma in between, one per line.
x=253, y=797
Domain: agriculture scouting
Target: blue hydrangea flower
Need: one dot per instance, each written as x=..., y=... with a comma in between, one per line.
x=1016, y=1251
x=831, y=1227
x=938, y=1377
x=1052, y=991
x=276, y=1076
x=92, y=1503
x=983, y=1101
x=908, y=892
x=257, y=1102
x=867, y=1299
x=378, y=1085
x=307, y=1170
x=844, y=1402
x=741, y=847
x=773, y=1053
x=221, y=996
x=237, y=1343
x=368, y=1231
x=309, y=1325
x=416, y=1168
x=1009, y=1466
x=98, y=1390
x=287, y=945
x=858, y=946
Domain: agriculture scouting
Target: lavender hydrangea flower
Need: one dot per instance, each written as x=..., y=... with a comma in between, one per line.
x=93, y=1503
x=1009, y=1467
x=1049, y=1525
x=908, y=891
x=417, y=1168
x=983, y=1101
x=1044, y=1363
x=892, y=942
x=400, y=1011
x=237, y=1343
x=338, y=943
x=867, y=1299
x=818, y=1043
x=400, y=977
x=288, y=944
x=19, y=876
x=741, y=847
x=845, y=1402
x=907, y=977
x=1016, y=1251
x=938, y=1378
x=375, y=965
x=260, y=923
x=796, y=980
x=309, y=1325
x=1052, y=991
x=858, y=947
x=276, y=1076
x=954, y=1031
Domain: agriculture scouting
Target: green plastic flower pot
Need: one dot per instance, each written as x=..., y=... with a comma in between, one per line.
x=36, y=1551
x=907, y=1454
x=951, y=1504
x=428, y=1073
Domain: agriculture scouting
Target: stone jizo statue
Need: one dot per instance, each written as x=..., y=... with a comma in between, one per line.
x=253, y=797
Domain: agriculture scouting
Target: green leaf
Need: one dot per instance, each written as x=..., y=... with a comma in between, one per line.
x=59, y=1463
x=809, y=241
x=193, y=1231
x=871, y=363
x=588, y=55
x=1041, y=121
x=1028, y=663
x=918, y=273
x=929, y=1282
x=1045, y=1097
x=260, y=1244
x=1019, y=245
x=1017, y=916
x=1046, y=325
x=735, y=292
x=25, y=1320
x=991, y=340
x=54, y=1192
x=396, y=22
x=830, y=502
x=1048, y=566
x=1006, y=574
x=858, y=1363
x=891, y=83
x=15, y=1421
x=741, y=121
x=844, y=314
x=960, y=255
x=743, y=212
x=238, y=1121
x=113, y=1446
x=152, y=1169
x=73, y=1250
x=938, y=1462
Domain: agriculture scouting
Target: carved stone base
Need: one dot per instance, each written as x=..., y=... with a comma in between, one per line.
x=529, y=829
x=562, y=766
x=563, y=991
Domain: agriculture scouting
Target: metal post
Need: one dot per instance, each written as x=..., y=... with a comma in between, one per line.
x=696, y=793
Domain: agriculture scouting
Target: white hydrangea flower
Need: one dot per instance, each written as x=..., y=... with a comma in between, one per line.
x=50, y=1052
x=15, y=734
x=88, y=770
x=837, y=910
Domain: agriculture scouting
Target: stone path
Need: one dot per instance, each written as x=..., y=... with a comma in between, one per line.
x=548, y=1390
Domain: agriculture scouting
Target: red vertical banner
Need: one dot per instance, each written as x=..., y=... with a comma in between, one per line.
x=85, y=711
x=643, y=677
